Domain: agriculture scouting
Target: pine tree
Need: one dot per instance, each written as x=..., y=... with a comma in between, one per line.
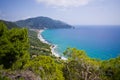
x=13, y=47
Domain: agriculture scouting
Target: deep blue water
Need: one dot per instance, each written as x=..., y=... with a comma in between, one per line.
x=102, y=43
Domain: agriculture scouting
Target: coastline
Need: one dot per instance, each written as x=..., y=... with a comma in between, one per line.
x=52, y=46
x=39, y=34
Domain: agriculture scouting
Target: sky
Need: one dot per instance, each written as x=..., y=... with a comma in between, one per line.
x=74, y=12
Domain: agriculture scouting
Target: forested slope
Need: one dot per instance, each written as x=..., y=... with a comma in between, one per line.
x=42, y=23
x=9, y=24
x=36, y=46
x=17, y=63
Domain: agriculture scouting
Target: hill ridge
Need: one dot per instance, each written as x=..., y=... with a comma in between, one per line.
x=42, y=22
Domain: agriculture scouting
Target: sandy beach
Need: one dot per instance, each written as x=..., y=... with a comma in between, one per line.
x=52, y=47
x=40, y=36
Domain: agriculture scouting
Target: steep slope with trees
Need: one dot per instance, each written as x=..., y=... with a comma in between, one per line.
x=9, y=24
x=36, y=46
x=16, y=63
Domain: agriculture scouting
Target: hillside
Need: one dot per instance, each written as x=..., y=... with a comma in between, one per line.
x=16, y=62
x=36, y=46
x=42, y=23
x=9, y=24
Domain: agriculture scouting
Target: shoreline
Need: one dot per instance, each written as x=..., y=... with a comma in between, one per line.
x=39, y=34
x=52, y=46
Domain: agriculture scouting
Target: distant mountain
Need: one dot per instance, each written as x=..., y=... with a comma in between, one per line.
x=9, y=24
x=42, y=23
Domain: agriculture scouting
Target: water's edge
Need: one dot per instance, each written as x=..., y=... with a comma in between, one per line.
x=52, y=46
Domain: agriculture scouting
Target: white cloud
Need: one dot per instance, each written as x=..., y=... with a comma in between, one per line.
x=64, y=3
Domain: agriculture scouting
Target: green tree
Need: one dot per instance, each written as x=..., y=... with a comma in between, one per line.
x=80, y=66
x=13, y=47
x=46, y=67
x=110, y=69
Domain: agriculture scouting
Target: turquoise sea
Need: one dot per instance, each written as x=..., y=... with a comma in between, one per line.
x=98, y=42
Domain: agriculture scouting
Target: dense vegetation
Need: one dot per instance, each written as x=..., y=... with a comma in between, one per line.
x=82, y=67
x=13, y=47
x=36, y=46
x=16, y=47
x=9, y=24
x=42, y=22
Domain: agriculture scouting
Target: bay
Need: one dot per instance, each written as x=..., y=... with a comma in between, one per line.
x=98, y=42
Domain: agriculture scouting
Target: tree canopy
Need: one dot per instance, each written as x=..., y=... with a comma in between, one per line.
x=14, y=46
